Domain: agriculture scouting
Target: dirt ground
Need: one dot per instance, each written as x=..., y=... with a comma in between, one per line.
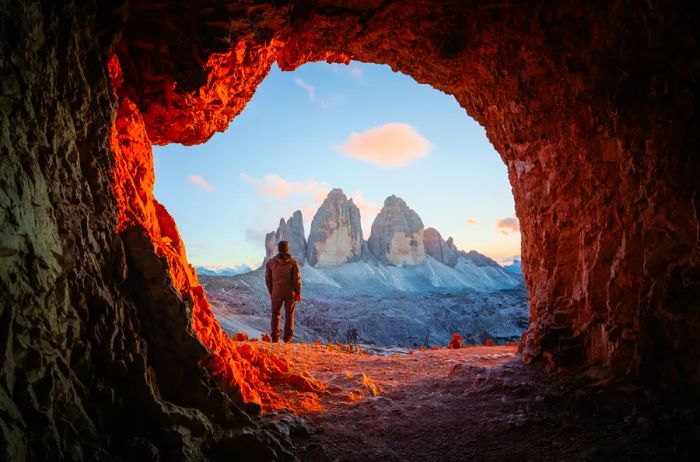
x=478, y=404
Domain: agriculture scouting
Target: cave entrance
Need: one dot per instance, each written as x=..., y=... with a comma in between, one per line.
x=570, y=137
x=368, y=171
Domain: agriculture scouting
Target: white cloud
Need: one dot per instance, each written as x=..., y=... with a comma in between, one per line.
x=308, y=88
x=200, y=182
x=353, y=70
x=509, y=225
x=279, y=198
x=324, y=102
x=389, y=146
x=255, y=235
x=273, y=185
x=356, y=73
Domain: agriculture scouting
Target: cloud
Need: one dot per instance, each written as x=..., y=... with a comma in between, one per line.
x=273, y=185
x=324, y=102
x=388, y=146
x=279, y=198
x=255, y=235
x=509, y=225
x=308, y=88
x=472, y=221
x=353, y=70
x=356, y=73
x=200, y=182
x=197, y=246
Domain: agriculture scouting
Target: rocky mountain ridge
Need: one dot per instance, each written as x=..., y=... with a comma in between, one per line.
x=336, y=233
x=398, y=237
x=405, y=286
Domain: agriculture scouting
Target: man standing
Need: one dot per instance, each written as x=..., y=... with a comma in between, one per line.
x=283, y=280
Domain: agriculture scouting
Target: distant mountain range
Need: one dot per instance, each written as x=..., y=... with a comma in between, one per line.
x=514, y=267
x=222, y=271
x=400, y=255
x=403, y=286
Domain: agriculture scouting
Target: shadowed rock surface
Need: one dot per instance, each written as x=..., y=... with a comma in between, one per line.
x=292, y=231
x=109, y=346
x=397, y=234
x=441, y=250
x=335, y=237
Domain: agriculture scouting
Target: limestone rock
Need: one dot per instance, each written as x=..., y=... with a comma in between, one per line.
x=441, y=250
x=292, y=231
x=336, y=233
x=397, y=234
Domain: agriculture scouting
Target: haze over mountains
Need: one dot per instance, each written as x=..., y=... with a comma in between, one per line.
x=222, y=270
x=403, y=286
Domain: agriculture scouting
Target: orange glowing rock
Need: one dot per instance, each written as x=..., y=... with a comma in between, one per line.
x=260, y=376
x=489, y=342
x=456, y=342
x=373, y=389
x=240, y=337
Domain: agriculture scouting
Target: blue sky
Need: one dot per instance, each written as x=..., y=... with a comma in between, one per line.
x=361, y=127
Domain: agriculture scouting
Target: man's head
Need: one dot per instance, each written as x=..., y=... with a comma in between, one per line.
x=283, y=247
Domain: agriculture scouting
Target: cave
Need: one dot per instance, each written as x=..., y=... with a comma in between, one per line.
x=109, y=347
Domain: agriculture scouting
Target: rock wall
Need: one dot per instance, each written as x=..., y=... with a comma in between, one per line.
x=109, y=349
x=103, y=324
x=592, y=110
x=336, y=232
x=292, y=231
x=397, y=234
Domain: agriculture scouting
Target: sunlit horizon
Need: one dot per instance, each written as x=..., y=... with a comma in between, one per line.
x=362, y=128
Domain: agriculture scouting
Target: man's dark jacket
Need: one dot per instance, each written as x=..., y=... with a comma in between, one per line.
x=283, y=277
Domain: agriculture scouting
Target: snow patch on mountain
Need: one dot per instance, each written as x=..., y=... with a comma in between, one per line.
x=222, y=270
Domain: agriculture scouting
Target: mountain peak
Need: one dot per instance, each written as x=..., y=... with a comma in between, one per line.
x=394, y=201
x=336, y=194
x=397, y=234
x=292, y=231
x=336, y=234
x=441, y=250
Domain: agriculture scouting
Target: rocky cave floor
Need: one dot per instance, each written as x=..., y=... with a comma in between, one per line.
x=478, y=403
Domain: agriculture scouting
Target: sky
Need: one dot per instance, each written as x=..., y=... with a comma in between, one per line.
x=360, y=127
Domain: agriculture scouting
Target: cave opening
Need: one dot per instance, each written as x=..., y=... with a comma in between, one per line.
x=110, y=348
x=374, y=133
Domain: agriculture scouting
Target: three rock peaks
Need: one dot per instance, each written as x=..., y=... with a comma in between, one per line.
x=397, y=238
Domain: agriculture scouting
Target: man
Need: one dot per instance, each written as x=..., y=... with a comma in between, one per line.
x=283, y=281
